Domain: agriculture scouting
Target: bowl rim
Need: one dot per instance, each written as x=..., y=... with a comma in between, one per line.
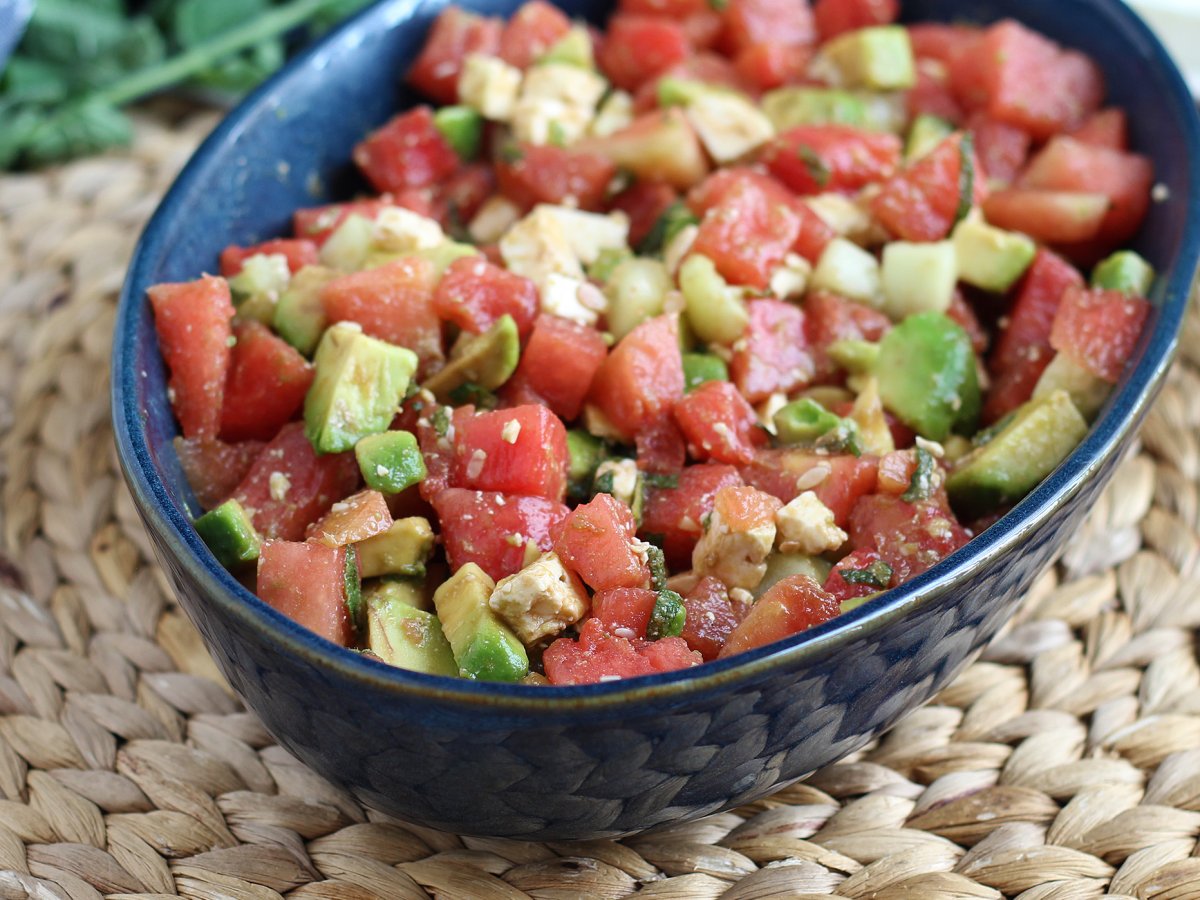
x=1123, y=412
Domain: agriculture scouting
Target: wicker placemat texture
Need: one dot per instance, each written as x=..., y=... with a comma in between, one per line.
x=1065, y=764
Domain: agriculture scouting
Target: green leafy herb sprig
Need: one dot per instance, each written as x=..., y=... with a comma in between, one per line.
x=80, y=61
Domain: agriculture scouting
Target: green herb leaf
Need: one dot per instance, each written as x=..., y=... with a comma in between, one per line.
x=441, y=421
x=818, y=171
x=470, y=392
x=966, y=176
x=668, y=618
x=604, y=484
x=657, y=480
x=658, y=568
x=924, y=478
x=674, y=219
x=511, y=152
x=77, y=129
x=877, y=575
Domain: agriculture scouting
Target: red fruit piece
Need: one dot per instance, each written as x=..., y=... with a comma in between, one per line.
x=268, y=380
x=407, y=152
x=597, y=541
x=306, y=582
x=473, y=294
x=492, y=530
x=792, y=605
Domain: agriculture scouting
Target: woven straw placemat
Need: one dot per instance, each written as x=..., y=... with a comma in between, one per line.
x=1064, y=764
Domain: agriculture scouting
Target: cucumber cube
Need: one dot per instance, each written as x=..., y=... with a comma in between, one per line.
x=918, y=277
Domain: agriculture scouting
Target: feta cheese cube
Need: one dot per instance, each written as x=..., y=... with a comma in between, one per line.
x=496, y=216
x=540, y=600
x=729, y=125
x=401, y=230
x=615, y=113
x=572, y=298
x=557, y=103
x=807, y=526
x=568, y=84
x=589, y=234
x=790, y=279
x=626, y=479
x=537, y=247
x=737, y=558
x=489, y=85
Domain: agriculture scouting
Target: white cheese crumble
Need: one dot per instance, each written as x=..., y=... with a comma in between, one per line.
x=540, y=600
x=475, y=464
x=511, y=431
x=729, y=125
x=401, y=230
x=278, y=484
x=490, y=86
x=807, y=526
x=737, y=558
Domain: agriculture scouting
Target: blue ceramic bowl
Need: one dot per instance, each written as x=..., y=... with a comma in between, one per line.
x=606, y=760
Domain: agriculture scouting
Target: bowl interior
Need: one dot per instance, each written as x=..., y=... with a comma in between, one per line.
x=288, y=146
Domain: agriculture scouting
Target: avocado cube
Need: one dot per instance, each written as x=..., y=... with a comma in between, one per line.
x=918, y=277
x=444, y=254
x=636, y=291
x=785, y=565
x=803, y=421
x=1039, y=436
x=857, y=357
x=847, y=269
x=352, y=591
x=991, y=258
x=584, y=455
x=257, y=288
x=229, y=534
x=1087, y=391
x=1124, y=271
x=701, y=367
x=925, y=133
x=607, y=262
x=486, y=360
x=716, y=312
x=573, y=49
x=359, y=384
x=391, y=461
x=484, y=647
x=462, y=127
x=791, y=106
x=299, y=316
x=409, y=591
x=932, y=382
x=878, y=59
x=407, y=637
x=401, y=550
x=348, y=246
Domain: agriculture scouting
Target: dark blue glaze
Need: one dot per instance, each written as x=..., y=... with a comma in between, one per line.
x=605, y=760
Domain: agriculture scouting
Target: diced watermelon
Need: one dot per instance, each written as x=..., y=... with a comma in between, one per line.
x=673, y=514
x=1052, y=217
x=407, y=152
x=773, y=355
x=1066, y=164
x=299, y=253
x=834, y=17
x=194, y=334
x=289, y=486
x=317, y=223
x=931, y=95
x=1107, y=128
x=533, y=29
x=642, y=377
x=307, y=583
x=268, y=380
x=910, y=537
x=454, y=35
x=644, y=202
x=556, y=175
x=719, y=424
x=661, y=447
x=473, y=294
x=1002, y=148
x=435, y=429
x=747, y=234
x=840, y=588
x=811, y=159
x=597, y=541
x=213, y=468
x=624, y=611
x=829, y=318
x=770, y=64
x=522, y=450
x=559, y=363
x=793, y=605
x=600, y=656
x=393, y=302
x=850, y=477
x=750, y=22
x=933, y=40
x=637, y=48
x=358, y=517
x=961, y=312
x=491, y=530
x=923, y=202
x=711, y=617
x=1099, y=329
x=1024, y=79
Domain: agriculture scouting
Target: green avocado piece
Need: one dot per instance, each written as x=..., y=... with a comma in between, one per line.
x=607, y=262
x=390, y=461
x=462, y=127
x=878, y=59
x=636, y=291
x=486, y=360
x=1124, y=271
x=785, y=565
x=229, y=534
x=484, y=647
x=788, y=107
x=257, y=288
x=701, y=367
x=806, y=422
x=1039, y=436
x=359, y=384
x=573, y=49
x=584, y=454
x=409, y=591
x=401, y=550
x=673, y=91
x=991, y=258
x=407, y=637
x=716, y=312
x=668, y=618
x=925, y=133
x=929, y=378
x=352, y=591
x=858, y=357
x=1087, y=391
x=299, y=316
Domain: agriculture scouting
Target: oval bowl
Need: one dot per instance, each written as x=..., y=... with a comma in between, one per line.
x=612, y=759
